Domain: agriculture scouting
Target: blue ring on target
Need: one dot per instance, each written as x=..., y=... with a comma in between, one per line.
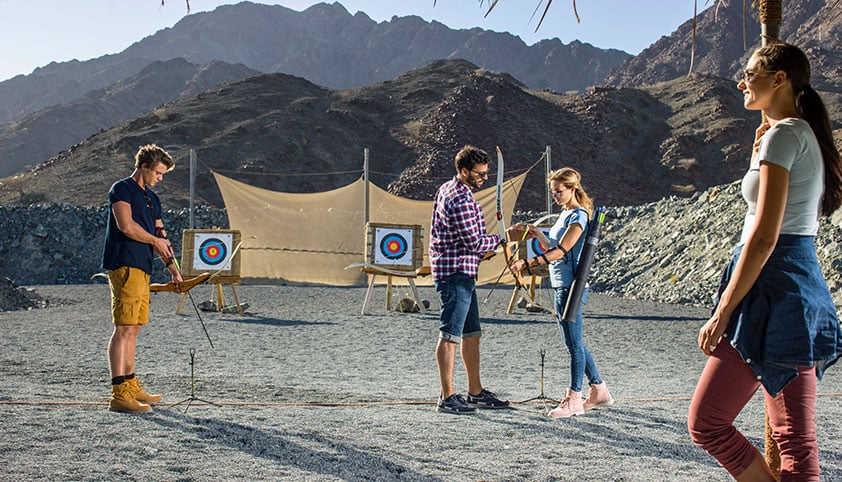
x=213, y=251
x=537, y=247
x=393, y=246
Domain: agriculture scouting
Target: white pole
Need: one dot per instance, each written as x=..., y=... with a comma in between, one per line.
x=365, y=177
x=549, y=191
x=192, y=182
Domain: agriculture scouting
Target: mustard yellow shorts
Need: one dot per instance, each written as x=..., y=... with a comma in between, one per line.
x=129, y=296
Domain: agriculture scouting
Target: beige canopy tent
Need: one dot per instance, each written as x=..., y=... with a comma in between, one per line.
x=311, y=238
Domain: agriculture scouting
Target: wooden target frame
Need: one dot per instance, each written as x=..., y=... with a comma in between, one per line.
x=403, y=240
x=214, y=243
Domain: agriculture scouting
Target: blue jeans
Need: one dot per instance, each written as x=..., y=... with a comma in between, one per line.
x=459, y=307
x=581, y=361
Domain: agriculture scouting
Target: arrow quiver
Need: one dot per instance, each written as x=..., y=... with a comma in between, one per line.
x=580, y=281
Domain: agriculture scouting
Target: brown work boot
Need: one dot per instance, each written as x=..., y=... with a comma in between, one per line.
x=598, y=397
x=140, y=394
x=570, y=405
x=122, y=400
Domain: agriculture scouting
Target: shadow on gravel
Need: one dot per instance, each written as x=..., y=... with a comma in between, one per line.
x=328, y=457
x=644, y=318
x=260, y=320
x=632, y=433
x=538, y=320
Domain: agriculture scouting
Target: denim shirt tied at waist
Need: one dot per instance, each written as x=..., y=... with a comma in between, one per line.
x=787, y=319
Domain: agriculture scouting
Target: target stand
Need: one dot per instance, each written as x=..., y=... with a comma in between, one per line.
x=214, y=250
x=525, y=250
x=533, y=281
x=394, y=251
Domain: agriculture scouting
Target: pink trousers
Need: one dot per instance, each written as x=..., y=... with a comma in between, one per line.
x=725, y=387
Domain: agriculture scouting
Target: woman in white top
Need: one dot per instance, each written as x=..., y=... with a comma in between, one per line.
x=774, y=325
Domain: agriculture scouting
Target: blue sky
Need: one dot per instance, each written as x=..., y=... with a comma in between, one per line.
x=37, y=32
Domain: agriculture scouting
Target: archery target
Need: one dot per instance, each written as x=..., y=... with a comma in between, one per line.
x=393, y=246
x=534, y=246
x=212, y=251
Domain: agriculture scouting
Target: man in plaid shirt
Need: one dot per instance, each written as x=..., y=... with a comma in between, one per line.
x=458, y=239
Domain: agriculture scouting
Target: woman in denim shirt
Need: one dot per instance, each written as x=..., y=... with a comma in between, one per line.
x=565, y=242
x=774, y=324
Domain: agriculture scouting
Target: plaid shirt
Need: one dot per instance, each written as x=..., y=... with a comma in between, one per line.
x=458, y=237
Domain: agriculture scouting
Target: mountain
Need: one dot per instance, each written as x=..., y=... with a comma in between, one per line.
x=324, y=44
x=284, y=133
x=50, y=130
x=720, y=51
x=663, y=138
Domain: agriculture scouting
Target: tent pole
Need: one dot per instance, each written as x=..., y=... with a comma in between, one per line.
x=192, y=182
x=549, y=191
x=365, y=178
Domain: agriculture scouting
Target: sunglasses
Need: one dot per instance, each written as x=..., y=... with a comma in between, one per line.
x=148, y=201
x=749, y=75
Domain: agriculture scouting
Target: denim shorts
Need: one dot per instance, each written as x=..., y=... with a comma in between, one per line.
x=459, y=307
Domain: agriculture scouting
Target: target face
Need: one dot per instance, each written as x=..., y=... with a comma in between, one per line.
x=394, y=246
x=534, y=246
x=212, y=251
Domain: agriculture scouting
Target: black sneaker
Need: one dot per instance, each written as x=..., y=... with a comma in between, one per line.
x=455, y=404
x=487, y=399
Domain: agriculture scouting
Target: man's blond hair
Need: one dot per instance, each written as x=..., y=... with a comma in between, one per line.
x=151, y=155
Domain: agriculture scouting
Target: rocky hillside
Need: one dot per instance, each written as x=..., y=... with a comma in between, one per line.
x=275, y=131
x=670, y=251
x=42, y=134
x=720, y=49
x=674, y=250
x=324, y=44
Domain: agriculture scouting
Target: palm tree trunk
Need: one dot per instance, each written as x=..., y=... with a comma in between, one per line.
x=770, y=30
x=770, y=20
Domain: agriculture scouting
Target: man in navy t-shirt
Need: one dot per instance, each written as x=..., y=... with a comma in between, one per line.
x=135, y=233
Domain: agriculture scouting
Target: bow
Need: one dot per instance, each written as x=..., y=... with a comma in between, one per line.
x=500, y=224
x=218, y=272
x=210, y=278
x=190, y=295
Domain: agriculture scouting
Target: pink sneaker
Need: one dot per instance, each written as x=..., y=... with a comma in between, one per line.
x=569, y=406
x=598, y=397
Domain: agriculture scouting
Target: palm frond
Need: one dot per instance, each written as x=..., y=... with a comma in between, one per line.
x=549, y=2
x=490, y=8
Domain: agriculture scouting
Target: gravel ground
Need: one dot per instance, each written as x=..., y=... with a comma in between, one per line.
x=309, y=389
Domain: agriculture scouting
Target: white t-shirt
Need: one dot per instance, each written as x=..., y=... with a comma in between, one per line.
x=792, y=145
